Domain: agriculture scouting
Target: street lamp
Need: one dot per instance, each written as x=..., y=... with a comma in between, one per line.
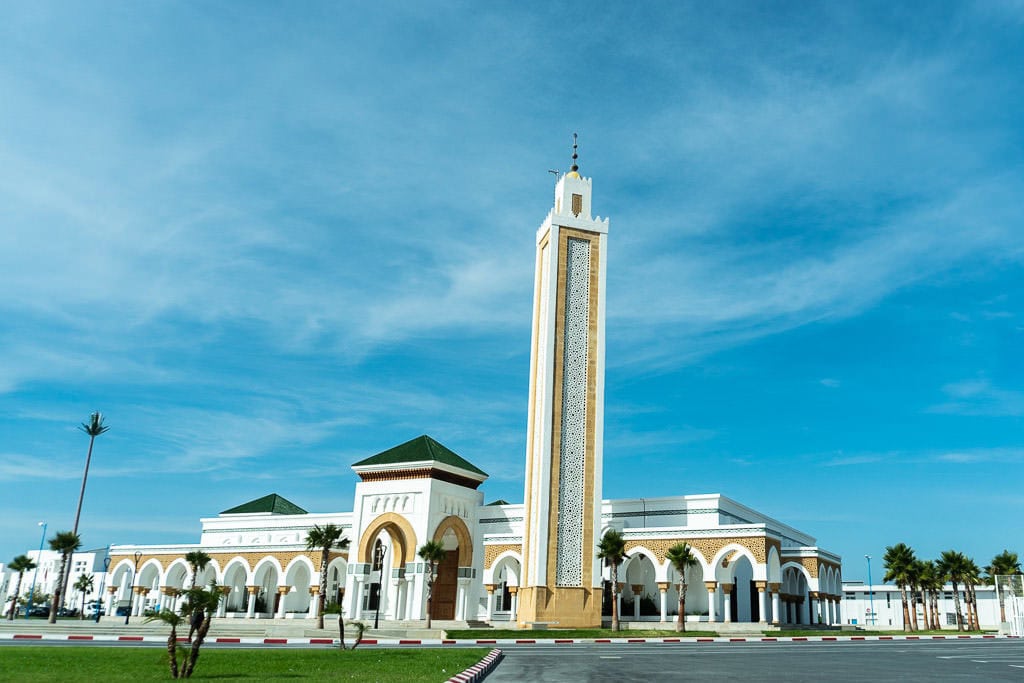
x=103, y=581
x=39, y=560
x=381, y=550
x=871, y=591
x=131, y=585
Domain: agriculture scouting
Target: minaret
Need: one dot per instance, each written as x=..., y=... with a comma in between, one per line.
x=561, y=575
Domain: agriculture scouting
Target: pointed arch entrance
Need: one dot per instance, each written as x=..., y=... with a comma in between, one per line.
x=454, y=535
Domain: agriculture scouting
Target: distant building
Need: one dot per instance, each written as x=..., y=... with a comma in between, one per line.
x=85, y=562
x=887, y=603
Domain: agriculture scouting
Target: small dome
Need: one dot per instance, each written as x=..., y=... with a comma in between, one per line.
x=572, y=174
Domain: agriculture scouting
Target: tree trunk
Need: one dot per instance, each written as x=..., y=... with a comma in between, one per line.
x=956, y=603
x=615, y=597
x=172, y=651
x=193, y=654
x=680, y=618
x=17, y=592
x=906, y=610
x=321, y=598
x=924, y=607
x=341, y=627
x=974, y=607
x=55, y=601
x=913, y=609
x=935, y=611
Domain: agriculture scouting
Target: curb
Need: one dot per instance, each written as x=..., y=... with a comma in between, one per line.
x=406, y=642
x=479, y=671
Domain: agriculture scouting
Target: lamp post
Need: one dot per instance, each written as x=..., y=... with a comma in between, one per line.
x=39, y=560
x=871, y=591
x=382, y=549
x=131, y=585
x=103, y=583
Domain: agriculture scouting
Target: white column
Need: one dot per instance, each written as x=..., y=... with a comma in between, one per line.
x=711, y=586
x=490, y=602
x=357, y=606
x=140, y=600
x=250, y=610
x=400, y=585
x=410, y=597
x=109, y=602
x=776, y=610
x=726, y=603
x=280, y=606
x=814, y=610
x=314, y=602
x=222, y=604
x=762, y=607
x=838, y=616
x=805, y=609
x=663, y=590
x=636, y=605
x=831, y=612
x=514, y=590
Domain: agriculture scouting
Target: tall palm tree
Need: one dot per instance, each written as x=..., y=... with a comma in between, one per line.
x=325, y=539
x=65, y=543
x=197, y=560
x=84, y=584
x=682, y=559
x=612, y=549
x=926, y=582
x=952, y=567
x=94, y=427
x=898, y=561
x=20, y=564
x=431, y=552
x=1003, y=564
x=913, y=578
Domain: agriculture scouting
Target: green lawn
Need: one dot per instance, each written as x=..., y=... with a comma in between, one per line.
x=51, y=663
x=578, y=633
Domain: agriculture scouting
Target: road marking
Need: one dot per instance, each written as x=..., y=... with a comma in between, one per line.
x=608, y=657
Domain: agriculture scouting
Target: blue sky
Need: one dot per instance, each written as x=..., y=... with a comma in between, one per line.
x=270, y=240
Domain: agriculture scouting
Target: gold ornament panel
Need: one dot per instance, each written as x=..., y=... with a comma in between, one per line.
x=491, y=552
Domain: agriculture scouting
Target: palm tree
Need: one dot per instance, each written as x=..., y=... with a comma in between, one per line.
x=174, y=621
x=324, y=539
x=197, y=601
x=612, y=549
x=94, y=427
x=431, y=552
x=20, y=564
x=952, y=567
x=84, y=584
x=926, y=581
x=65, y=543
x=1003, y=564
x=898, y=560
x=913, y=578
x=197, y=560
x=682, y=559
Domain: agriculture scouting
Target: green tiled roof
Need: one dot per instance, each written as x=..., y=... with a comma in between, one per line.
x=273, y=504
x=500, y=501
x=418, y=450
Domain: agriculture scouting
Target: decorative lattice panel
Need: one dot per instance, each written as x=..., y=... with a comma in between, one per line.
x=572, y=450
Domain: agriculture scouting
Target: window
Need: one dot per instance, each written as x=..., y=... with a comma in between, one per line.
x=950, y=618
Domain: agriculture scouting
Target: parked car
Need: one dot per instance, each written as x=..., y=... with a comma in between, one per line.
x=39, y=611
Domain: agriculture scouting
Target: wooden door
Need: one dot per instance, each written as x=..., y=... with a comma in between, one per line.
x=445, y=588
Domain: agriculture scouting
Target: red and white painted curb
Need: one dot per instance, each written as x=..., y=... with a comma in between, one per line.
x=478, y=671
x=494, y=641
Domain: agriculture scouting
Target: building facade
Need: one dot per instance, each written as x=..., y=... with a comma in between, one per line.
x=526, y=563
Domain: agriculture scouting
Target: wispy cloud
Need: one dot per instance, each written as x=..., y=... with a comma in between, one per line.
x=980, y=397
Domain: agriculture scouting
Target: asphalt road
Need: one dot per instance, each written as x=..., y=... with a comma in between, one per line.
x=918, y=661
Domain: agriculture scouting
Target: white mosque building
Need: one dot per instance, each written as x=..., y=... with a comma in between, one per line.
x=527, y=563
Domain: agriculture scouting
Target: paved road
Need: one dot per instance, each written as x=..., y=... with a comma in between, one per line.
x=914, y=662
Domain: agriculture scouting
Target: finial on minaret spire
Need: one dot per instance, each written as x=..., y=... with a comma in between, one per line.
x=575, y=156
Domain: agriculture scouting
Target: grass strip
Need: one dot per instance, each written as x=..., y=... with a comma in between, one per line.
x=574, y=633
x=64, y=663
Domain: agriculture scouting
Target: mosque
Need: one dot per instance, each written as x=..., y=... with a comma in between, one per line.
x=529, y=563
